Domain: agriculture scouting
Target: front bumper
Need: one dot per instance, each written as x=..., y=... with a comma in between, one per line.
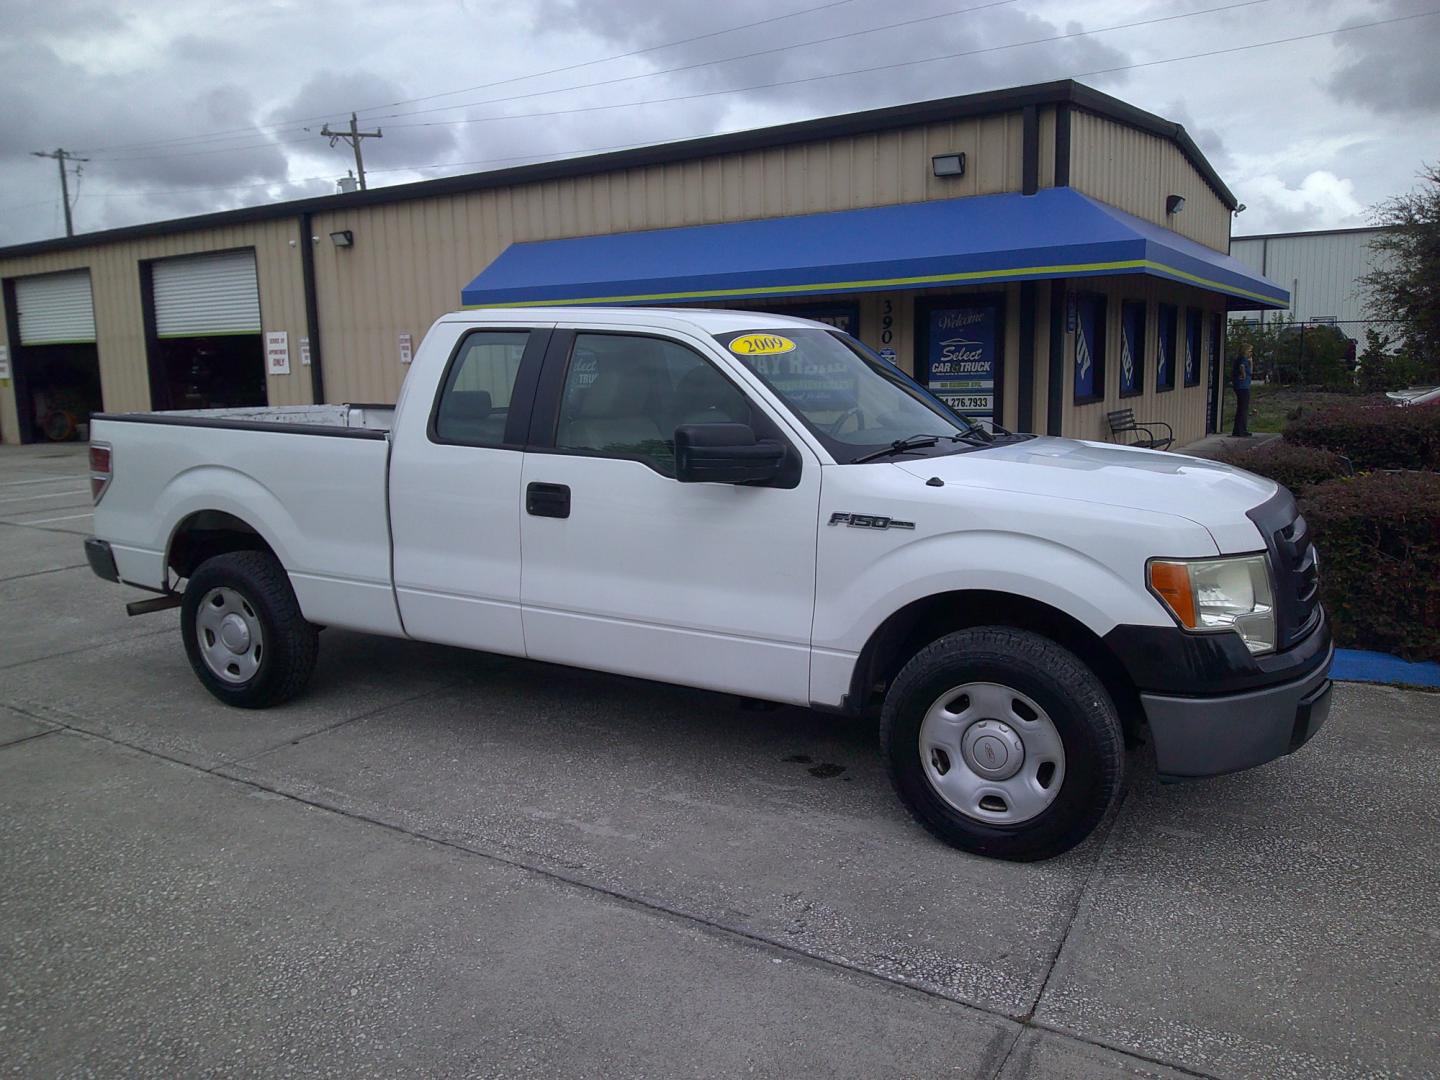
x=1206, y=736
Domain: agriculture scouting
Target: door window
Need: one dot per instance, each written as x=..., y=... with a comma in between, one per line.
x=474, y=402
x=626, y=394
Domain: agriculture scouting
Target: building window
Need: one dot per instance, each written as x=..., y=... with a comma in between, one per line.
x=1132, y=348
x=844, y=316
x=1089, y=348
x=1165, y=348
x=1192, y=347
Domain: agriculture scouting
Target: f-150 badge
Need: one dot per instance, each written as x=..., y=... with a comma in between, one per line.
x=869, y=521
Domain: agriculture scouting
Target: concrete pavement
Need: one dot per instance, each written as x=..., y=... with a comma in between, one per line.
x=447, y=863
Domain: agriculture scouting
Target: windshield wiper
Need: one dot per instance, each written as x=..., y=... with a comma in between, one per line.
x=899, y=446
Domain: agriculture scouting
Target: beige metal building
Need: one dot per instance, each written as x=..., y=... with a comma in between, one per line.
x=1118, y=279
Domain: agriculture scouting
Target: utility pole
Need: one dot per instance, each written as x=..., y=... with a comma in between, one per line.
x=353, y=137
x=61, y=157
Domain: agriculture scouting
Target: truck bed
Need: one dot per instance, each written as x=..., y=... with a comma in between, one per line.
x=309, y=479
x=300, y=419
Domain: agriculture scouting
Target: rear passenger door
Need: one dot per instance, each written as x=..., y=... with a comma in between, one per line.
x=625, y=568
x=455, y=494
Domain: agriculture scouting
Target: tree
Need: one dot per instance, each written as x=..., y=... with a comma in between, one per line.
x=1404, y=284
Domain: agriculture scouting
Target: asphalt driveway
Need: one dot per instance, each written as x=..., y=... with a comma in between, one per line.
x=446, y=863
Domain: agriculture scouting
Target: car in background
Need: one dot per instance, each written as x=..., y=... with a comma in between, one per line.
x=1420, y=395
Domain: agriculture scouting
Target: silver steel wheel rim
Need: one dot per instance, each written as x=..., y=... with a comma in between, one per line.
x=229, y=634
x=991, y=753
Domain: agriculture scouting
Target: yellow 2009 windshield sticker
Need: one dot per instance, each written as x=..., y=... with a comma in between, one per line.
x=760, y=345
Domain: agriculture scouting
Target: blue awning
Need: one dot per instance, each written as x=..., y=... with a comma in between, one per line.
x=1057, y=233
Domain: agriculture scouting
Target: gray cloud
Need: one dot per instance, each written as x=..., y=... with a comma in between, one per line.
x=135, y=86
x=1391, y=69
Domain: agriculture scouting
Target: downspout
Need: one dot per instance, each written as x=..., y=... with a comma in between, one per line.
x=312, y=309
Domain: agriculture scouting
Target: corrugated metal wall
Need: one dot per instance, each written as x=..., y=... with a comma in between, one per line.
x=120, y=322
x=1321, y=270
x=411, y=259
x=1135, y=171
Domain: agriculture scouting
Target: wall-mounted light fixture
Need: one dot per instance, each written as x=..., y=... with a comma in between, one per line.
x=343, y=238
x=1174, y=204
x=948, y=164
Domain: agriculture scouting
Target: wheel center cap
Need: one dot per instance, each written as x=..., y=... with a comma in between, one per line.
x=235, y=634
x=993, y=749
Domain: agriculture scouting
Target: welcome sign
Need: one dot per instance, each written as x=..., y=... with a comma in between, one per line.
x=964, y=349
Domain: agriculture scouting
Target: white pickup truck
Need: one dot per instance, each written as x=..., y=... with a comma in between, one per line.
x=756, y=505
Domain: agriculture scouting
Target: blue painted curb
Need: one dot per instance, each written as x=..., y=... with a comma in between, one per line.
x=1359, y=665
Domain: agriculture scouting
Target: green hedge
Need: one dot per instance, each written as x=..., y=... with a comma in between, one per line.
x=1379, y=541
x=1296, y=467
x=1373, y=436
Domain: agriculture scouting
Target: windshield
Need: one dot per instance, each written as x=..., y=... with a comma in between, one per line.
x=854, y=401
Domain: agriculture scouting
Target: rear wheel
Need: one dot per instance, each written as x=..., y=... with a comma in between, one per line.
x=1002, y=743
x=245, y=635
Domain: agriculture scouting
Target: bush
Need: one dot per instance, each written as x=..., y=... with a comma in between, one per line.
x=1379, y=541
x=1297, y=467
x=1372, y=436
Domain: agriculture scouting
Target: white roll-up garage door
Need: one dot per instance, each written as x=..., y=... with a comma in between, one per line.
x=203, y=295
x=55, y=309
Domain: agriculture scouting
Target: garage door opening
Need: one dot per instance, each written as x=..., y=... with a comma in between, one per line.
x=207, y=350
x=57, y=365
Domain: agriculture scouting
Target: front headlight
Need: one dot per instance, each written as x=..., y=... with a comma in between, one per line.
x=1212, y=595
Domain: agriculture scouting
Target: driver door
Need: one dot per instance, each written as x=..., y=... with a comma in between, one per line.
x=625, y=568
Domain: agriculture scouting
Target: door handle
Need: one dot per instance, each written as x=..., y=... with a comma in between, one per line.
x=547, y=500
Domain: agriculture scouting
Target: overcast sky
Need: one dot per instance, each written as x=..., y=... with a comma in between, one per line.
x=211, y=104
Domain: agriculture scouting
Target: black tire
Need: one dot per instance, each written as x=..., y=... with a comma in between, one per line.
x=290, y=644
x=1053, y=678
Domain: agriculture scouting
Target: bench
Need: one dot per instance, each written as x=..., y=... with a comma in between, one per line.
x=1123, y=422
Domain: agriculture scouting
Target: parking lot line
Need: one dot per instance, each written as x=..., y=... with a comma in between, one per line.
x=37, y=480
x=47, y=495
x=47, y=521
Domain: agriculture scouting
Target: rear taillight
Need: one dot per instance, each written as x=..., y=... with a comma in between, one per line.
x=100, y=471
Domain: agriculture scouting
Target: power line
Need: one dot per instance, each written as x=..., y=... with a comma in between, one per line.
x=501, y=82
x=859, y=71
x=758, y=86
x=839, y=74
x=683, y=67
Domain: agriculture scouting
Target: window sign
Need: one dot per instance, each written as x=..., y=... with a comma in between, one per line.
x=964, y=353
x=815, y=380
x=1132, y=348
x=1165, y=349
x=1192, y=347
x=843, y=316
x=304, y=352
x=1090, y=347
x=406, y=349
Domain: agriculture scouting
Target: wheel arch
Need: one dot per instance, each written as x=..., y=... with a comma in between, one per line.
x=203, y=534
x=908, y=630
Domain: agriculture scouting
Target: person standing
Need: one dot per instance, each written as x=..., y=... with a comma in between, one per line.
x=1241, y=368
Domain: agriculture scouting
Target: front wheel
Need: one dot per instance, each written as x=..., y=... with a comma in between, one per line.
x=245, y=635
x=1003, y=743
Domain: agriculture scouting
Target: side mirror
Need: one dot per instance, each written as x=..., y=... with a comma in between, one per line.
x=725, y=454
